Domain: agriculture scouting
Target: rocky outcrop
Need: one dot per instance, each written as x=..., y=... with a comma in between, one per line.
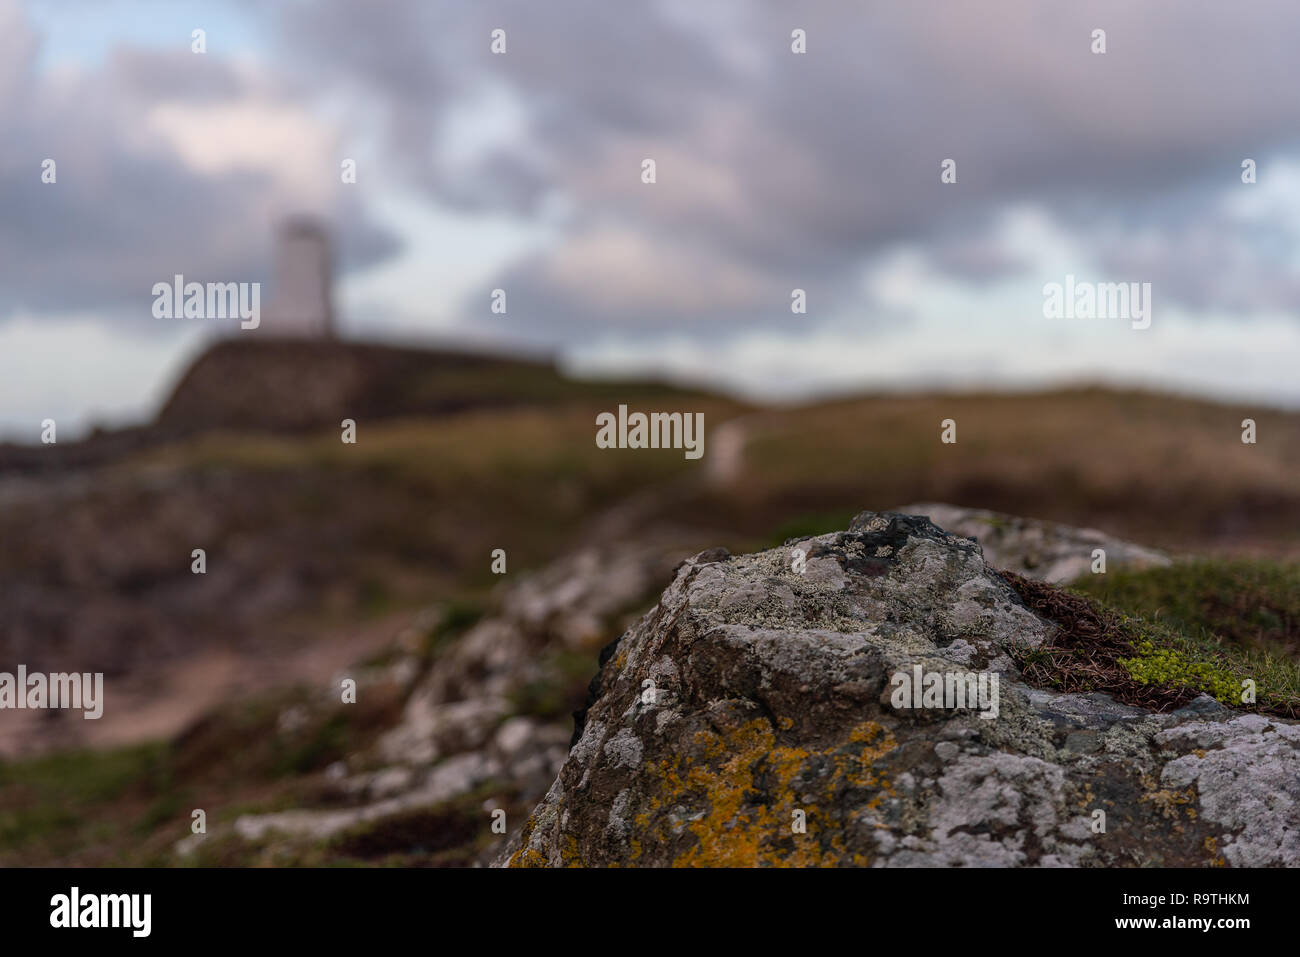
x=1048, y=551
x=491, y=718
x=780, y=709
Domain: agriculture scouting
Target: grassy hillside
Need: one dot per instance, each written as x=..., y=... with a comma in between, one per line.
x=1249, y=603
x=1160, y=470
x=311, y=542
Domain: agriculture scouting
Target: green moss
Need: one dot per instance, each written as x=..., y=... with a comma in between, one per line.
x=1217, y=620
x=1248, y=603
x=1155, y=665
x=1150, y=660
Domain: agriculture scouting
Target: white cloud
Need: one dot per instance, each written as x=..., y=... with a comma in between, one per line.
x=80, y=372
x=254, y=134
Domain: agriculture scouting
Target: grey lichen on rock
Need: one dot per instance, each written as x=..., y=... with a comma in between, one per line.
x=771, y=733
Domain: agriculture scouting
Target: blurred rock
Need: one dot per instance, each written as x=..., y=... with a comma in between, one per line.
x=466, y=724
x=1047, y=551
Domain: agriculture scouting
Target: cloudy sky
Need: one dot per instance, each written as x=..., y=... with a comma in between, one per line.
x=775, y=171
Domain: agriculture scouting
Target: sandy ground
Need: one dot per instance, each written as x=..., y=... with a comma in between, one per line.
x=162, y=702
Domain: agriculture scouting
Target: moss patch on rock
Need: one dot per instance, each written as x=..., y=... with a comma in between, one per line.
x=1250, y=603
x=1143, y=661
x=1169, y=667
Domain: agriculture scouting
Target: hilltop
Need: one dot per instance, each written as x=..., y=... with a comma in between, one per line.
x=289, y=385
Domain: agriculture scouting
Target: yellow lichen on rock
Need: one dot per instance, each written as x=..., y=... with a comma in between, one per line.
x=727, y=774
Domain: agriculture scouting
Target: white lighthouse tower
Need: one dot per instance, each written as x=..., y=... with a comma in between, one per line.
x=301, y=297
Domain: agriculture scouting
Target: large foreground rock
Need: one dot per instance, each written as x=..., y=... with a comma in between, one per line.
x=748, y=719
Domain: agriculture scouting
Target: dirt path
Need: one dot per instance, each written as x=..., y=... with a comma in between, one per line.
x=161, y=702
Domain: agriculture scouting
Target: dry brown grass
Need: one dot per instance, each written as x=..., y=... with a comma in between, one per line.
x=1163, y=470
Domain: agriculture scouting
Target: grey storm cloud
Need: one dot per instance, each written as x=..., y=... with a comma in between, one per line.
x=126, y=210
x=777, y=170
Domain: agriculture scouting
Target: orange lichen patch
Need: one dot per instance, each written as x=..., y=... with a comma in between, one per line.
x=728, y=773
x=527, y=857
x=1086, y=797
x=1168, y=801
x=571, y=856
x=1216, y=857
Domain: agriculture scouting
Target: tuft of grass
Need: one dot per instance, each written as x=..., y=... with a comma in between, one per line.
x=1149, y=662
x=1250, y=603
x=49, y=805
